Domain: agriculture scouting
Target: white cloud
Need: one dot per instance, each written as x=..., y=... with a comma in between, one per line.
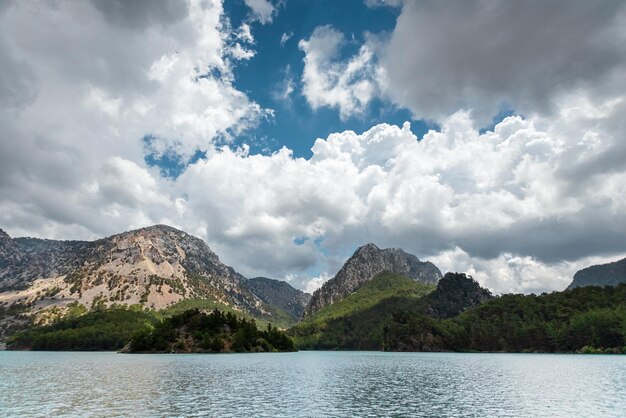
x=245, y=33
x=499, y=198
x=96, y=80
x=348, y=85
x=240, y=53
x=262, y=10
x=285, y=37
x=317, y=282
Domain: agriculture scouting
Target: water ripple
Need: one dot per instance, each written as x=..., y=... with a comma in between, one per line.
x=311, y=384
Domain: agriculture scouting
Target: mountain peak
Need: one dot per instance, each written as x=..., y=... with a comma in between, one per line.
x=367, y=247
x=366, y=262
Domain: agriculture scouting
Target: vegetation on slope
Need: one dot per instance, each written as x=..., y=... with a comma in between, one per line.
x=109, y=329
x=276, y=317
x=589, y=319
x=194, y=331
x=357, y=321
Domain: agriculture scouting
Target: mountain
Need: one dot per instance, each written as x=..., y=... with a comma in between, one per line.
x=360, y=321
x=280, y=294
x=610, y=274
x=155, y=267
x=365, y=263
x=357, y=321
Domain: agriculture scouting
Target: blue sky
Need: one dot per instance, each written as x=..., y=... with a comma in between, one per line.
x=295, y=124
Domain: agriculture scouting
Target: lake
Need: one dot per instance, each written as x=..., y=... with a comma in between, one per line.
x=334, y=384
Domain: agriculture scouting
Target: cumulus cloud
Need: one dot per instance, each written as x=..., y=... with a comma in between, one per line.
x=501, y=204
x=481, y=55
x=82, y=83
x=328, y=80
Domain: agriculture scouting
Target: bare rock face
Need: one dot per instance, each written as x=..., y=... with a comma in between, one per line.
x=11, y=257
x=365, y=263
x=154, y=267
x=279, y=293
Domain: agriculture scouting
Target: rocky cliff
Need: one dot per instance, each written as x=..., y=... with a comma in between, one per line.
x=155, y=267
x=279, y=293
x=610, y=274
x=365, y=263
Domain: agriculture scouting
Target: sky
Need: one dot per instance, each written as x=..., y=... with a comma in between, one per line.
x=486, y=136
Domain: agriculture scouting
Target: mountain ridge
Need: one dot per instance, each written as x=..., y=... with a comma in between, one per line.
x=609, y=274
x=366, y=262
x=155, y=267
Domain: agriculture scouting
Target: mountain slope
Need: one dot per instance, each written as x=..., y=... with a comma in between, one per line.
x=365, y=263
x=155, y=267
x=357, y=321
x=610, y=274
x=280, y=294
x=361, y=320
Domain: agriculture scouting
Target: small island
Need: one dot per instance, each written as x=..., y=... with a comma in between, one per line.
x=195, y=331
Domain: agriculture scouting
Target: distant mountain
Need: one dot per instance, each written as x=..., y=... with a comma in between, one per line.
x=155, y=267
x=365, y=263
x=610, y=274
x=279, y=293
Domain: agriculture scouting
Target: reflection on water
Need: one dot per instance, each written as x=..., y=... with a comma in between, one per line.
x=311, y=384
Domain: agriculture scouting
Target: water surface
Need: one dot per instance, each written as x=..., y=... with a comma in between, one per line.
x=315, y=384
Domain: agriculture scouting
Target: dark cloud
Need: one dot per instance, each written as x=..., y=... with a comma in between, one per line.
x=590, y=232
x=139, y=14
x=481, y=54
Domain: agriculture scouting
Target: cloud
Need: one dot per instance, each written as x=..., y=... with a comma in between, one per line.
x=139, y=14
x=482, y=55
x=520, y=206
x=500, y=197
x=262, y=10
x=81, y=88
x=330, y=81
x=316, y=282
x=285, y=37
x=285, y=88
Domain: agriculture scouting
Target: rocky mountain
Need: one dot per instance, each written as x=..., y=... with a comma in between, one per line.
x=155, y=267
x=610, y=274
x=365, y=263
x=455, y=292
x=279, y=293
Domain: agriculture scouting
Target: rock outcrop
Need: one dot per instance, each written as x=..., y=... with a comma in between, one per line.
x=455, y=292
x=610, y=274
x=279, y=293
x=365, y=263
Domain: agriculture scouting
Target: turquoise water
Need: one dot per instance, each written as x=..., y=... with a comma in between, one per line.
x=334, y=384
